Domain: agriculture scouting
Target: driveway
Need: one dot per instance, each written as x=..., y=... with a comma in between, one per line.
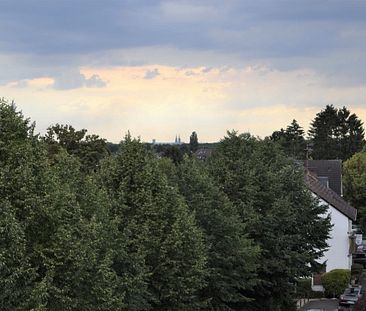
x=327, y=304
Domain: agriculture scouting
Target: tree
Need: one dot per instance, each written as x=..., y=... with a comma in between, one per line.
x=193, y=142
x=57, y=238
x=231, y=255
x=16, y=274
x=90, y=149
x=269, y=194
x=336, y=134
x=175, y=153
x=291, y=140
x=159, y=226
x=354, y=181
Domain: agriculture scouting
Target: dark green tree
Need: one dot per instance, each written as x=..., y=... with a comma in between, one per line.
x=159, y=226
x=16, y=273
x=174, y=153
x=57, y=242
x=292, y=140
x=89, y=149
x=336, y=134
x=269, y=194
x=193, y=142
x=231, y=255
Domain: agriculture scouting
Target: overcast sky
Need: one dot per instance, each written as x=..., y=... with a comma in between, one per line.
x=161, y=68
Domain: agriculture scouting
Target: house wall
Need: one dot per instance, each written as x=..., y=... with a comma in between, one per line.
x=338, y=256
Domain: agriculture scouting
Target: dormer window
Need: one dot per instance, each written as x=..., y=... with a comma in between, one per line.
x=324, y=180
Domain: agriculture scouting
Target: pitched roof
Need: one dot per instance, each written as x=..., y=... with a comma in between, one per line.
x=329, y=196
x=330, y=170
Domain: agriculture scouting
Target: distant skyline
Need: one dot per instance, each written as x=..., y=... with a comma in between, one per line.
x=161, y=68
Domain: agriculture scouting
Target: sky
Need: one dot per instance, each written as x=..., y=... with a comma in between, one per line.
x=164, y=68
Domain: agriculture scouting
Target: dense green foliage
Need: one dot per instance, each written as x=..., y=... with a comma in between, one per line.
x=354, y=179
x=82, y=229
x=231, y=255
x=280, y=216
x=158, y=225
x=336, y=134
x=90, y=149
x=336, y=281
x=292, y=140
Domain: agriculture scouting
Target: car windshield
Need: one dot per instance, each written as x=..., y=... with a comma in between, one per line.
x=352, y=291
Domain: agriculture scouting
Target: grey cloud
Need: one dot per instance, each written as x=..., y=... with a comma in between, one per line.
x=263, y=26
x=190, y=73
x=95, y=81
x=151, y=74
x=74, y=79
x=68, y=80
x=64, y=34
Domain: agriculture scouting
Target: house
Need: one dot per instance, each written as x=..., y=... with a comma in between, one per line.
x=324, y=179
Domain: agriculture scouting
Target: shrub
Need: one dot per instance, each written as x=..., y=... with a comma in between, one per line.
x=336, y=281
x=303, y=288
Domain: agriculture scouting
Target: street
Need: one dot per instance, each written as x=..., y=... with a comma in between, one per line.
x=327, y=304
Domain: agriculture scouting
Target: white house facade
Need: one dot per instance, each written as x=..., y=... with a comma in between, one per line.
x=338, y=256
x=339, y=253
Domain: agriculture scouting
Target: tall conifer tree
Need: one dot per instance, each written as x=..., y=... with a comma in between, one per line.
x=336, y=134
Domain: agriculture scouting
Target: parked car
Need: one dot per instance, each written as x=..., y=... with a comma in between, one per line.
x=350, y=296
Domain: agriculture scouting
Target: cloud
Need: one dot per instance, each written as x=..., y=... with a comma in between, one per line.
x=256, y=97
x=187, y=12
x=191, y=73
x=74, y=79
x=219, y=59
x=95, y=82
x=326, y=36
x=151, y=74
x=18, y=84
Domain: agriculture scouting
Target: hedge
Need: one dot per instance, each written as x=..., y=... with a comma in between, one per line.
x=336, y=281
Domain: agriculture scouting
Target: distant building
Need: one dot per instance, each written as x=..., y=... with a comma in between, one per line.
x=177, y=141
x=203, y=153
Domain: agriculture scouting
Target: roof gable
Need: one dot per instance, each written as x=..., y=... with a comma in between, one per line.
x=330, y=196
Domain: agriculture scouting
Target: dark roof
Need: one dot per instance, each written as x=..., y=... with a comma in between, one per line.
x=327, y=170
x=329, y=196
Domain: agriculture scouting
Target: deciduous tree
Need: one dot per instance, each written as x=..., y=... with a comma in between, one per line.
x=159, y=226
x=354, y=181
x=269, y=194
